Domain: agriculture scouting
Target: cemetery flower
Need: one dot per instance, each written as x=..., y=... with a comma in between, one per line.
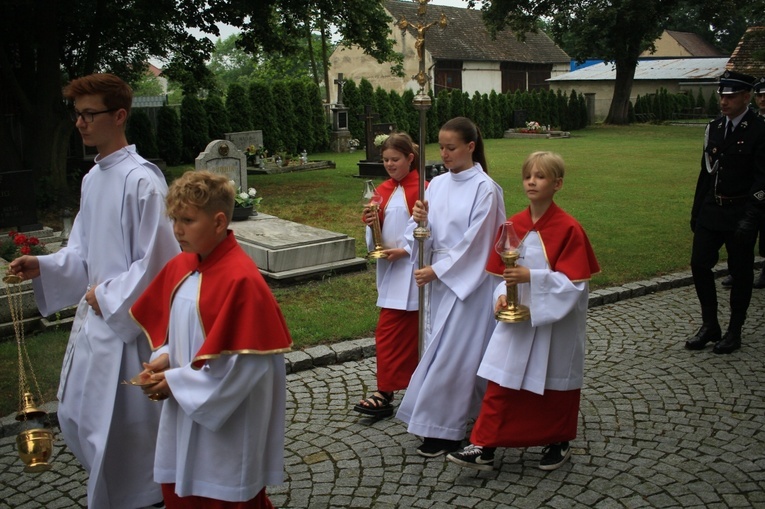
x=354, y=143
x=533, y=127
x=17, y=244
x=252, y=152
x=246, y=199
x=380, y=139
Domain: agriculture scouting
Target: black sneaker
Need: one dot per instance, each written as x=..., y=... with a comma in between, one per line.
x=474, y=456
x=432, y=447
x=554, y=455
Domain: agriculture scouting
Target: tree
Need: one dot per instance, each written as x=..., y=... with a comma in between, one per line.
x=304, y=133
x=238, y=108
x=318, y=118
x=217, y=117
x=169, y=139
x=50, y=42
x=264, y=116
x=617, y=31
x=140, y=133
x=193, y=127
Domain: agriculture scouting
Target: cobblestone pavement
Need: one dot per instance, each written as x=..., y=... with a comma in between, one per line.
x=659, y=427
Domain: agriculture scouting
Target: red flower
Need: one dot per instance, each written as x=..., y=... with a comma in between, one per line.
x=20, y=239
x=12, y=233
x=25, y=250
x=33, y=241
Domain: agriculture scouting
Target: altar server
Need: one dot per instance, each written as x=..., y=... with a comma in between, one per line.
x=535, y=367
x=120, y=240
x=218, y=337
x=396, y=336
x=463, y=209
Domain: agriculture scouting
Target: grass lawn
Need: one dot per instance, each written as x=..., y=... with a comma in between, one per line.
x=631, y=188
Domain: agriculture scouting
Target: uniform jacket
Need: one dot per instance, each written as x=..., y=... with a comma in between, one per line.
x=736, y=185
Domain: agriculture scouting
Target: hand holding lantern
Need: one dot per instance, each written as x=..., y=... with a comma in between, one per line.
x=372, y=199
x=508, y=248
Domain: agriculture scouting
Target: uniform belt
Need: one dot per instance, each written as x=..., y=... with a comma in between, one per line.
x=729, y=200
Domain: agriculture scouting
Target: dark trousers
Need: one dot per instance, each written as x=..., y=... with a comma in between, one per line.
x=705, y=254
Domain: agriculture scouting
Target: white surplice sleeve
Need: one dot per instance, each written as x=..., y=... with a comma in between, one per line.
x=552, y=296
x=148, y=234
x=209, y=396
x=63, y=277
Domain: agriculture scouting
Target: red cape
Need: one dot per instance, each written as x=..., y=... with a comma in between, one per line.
x=564, y=241
x=238, y=312
x=411, y=185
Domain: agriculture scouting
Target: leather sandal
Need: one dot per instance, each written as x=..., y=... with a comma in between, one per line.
x=378, y=405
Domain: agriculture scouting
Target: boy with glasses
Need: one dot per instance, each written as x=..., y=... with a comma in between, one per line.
x=120, y=240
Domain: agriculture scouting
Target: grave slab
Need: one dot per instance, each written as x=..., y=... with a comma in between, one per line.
x=286, y=251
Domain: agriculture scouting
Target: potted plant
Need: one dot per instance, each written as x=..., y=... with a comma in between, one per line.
x=245, y=203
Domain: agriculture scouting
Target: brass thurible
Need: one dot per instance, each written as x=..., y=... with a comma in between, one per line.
x=35, y=442
x=508, y=248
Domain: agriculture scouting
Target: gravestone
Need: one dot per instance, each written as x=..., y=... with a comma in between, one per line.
x=244, y=139
x=378, y=129
x=372, y=166
x=222, y=156
x=17, y=201
x=341, y=133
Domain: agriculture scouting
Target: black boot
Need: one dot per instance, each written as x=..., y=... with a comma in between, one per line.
x=709, y=332
x=730, y=342
x=759, y=281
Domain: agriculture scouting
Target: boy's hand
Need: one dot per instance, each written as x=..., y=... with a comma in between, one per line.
x=156, y=371
x=26, y=267
x=159, y=364
x=90, y=298
x=501, y=303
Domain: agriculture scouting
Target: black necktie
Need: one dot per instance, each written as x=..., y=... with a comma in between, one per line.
x=729, y=129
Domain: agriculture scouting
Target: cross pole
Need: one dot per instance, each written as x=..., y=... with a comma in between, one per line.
x=422, y=103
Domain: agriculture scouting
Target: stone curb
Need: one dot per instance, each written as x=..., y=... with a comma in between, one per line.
x=357, y=349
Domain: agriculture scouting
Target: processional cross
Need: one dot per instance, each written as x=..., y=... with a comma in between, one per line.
x=422, y=103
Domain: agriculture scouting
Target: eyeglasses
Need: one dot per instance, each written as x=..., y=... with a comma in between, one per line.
x=87, y=116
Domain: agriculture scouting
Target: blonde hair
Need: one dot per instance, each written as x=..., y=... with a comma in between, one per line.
x=549, y=163
x=209, y=192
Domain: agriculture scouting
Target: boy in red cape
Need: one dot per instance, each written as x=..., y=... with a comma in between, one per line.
x=218, y=337
x=535, y=367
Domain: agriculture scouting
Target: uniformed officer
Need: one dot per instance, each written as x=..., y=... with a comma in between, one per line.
x=727, y=209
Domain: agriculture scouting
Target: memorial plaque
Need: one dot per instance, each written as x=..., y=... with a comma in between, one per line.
x=222, y=156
